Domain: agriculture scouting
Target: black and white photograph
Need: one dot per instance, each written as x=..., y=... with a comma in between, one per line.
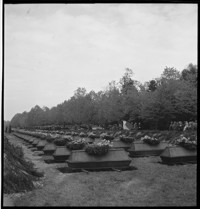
x=99, y=104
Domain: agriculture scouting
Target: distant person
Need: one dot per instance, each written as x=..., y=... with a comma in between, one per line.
x=175, y=125
x=171, y=126
x=135, y=127
x=190, y=126
x=195, y=125
x=186, y=126
x=139, y=126
x=180, y=126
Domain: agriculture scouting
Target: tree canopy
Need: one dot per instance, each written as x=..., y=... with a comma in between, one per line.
x=172, y=96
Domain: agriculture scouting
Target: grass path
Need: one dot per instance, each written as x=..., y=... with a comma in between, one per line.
x=152, y=184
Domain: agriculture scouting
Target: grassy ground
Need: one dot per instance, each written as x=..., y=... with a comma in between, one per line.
x=19, y=174
x=152, y=184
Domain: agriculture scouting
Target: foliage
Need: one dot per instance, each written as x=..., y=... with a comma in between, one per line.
x=99, y=149
x=170, y=97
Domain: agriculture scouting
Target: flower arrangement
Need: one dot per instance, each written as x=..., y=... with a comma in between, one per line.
x=126, y=139
x=67, y=133
x=67, y=138
x=82, y=134
x=108, y=137
x=49, y=138
x=74, y=133
x=92, y=135
x=76, y=144
x=60, y=142
x=150, y=140
x=99, y=149
x=187, y=143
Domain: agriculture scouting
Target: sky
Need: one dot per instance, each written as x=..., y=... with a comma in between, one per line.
x=52, y=49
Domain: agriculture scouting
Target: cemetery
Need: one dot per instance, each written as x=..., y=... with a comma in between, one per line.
x=74, y=153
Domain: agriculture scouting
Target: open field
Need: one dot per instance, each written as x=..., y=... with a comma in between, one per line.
x=150, y=184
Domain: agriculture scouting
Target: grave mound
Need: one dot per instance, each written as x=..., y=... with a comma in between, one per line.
x=115, y=158
x=141, y=149
x=177, y=154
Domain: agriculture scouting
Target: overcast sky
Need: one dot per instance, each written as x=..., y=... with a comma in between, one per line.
x=51, y=50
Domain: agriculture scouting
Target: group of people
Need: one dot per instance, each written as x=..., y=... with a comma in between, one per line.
x=137, y=126
x=183, y=126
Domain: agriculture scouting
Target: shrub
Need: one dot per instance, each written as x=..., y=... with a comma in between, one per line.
x=99, y=149
x=76, y=144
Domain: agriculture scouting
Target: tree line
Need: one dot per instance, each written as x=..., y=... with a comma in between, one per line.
x=170, y=97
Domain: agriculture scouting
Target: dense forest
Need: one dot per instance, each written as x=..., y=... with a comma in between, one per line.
x=170, y=97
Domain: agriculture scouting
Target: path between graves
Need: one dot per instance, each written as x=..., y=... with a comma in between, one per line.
x=51, y=175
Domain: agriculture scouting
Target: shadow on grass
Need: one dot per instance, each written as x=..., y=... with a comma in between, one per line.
x=176, y=163
x=69, y=170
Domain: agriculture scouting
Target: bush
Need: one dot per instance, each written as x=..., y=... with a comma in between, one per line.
x=99, y=149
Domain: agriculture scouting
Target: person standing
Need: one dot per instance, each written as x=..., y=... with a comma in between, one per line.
x=186, y=126
x=171, y=126
x=180, y=126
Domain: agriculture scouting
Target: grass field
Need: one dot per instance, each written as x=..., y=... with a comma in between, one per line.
x=151, y=184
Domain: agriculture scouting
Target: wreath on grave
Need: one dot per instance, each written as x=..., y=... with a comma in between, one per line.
x=108, y=137
x=92, y=135
x=98, y=149
x=187, y=143
x=67, y=133
x=150, y=140
x=50, y=137
x=82, y=134
x=76, y=144
x=60, y=142
x=126, y=139
x=67, y=138
x=74, y=133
